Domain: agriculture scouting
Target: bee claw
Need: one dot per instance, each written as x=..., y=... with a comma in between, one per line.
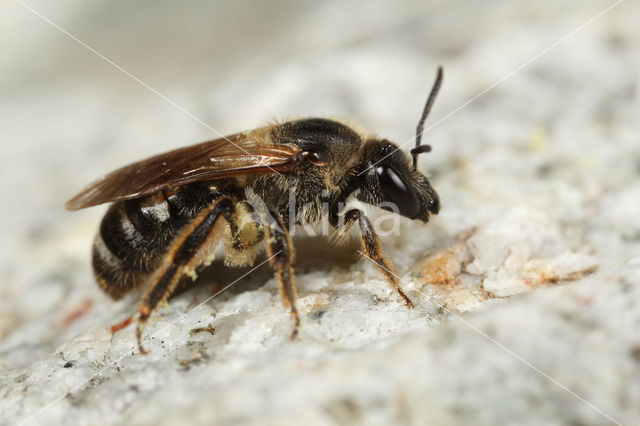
x=296, y=324
x=142, y=350
x=407, y=301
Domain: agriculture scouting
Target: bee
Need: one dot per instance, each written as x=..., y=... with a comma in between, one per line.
x=170, y=211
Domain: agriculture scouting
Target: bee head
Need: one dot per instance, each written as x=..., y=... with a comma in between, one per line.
x=394, y=184
x=390, y=182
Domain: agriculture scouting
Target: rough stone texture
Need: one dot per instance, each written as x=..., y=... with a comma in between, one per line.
x=526, y=284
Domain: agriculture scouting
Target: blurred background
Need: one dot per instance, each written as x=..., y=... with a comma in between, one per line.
x=535, y=93
x=68, y=116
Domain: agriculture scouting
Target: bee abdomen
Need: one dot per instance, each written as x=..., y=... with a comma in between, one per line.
x=132, y=237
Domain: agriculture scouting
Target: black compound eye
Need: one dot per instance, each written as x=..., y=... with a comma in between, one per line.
x=398, y=192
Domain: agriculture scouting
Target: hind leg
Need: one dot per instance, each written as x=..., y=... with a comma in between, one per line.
x=189, y=249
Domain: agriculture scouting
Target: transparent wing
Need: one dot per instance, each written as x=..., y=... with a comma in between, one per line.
x=236, y=155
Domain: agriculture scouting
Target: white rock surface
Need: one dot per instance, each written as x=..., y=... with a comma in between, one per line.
x=526, y=285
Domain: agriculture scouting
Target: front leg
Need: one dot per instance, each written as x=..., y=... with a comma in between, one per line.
x=372, y=248
x=281, y=255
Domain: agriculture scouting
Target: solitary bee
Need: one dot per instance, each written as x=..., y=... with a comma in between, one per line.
x=171, y=210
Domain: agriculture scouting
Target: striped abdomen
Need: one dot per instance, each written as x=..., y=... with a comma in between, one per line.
x=134, y=235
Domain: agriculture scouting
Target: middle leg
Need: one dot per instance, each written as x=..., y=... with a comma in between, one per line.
x=281, y=255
